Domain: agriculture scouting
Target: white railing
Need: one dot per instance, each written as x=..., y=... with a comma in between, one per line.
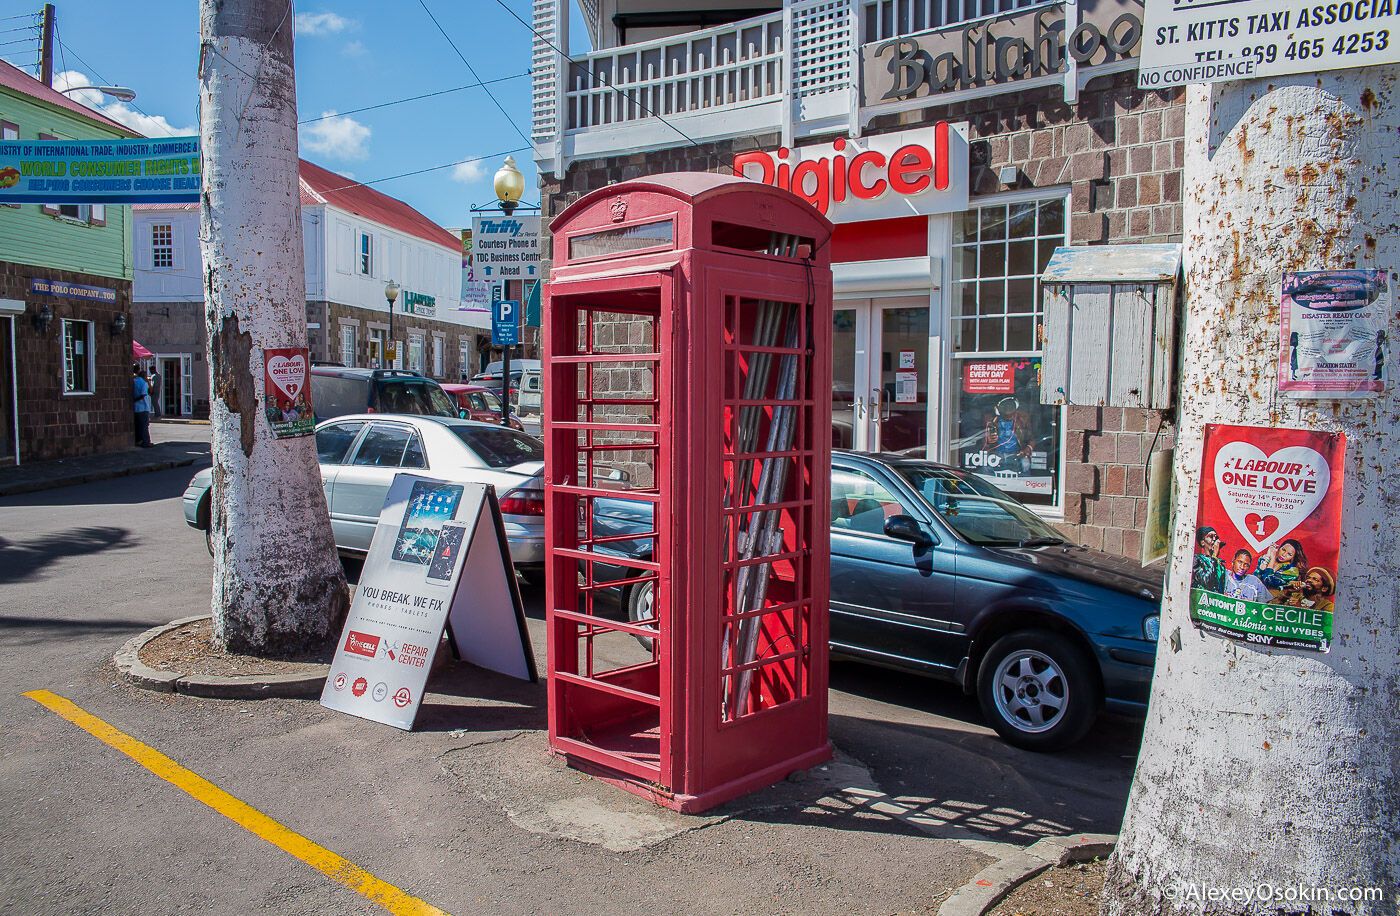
x=822, y=42
x=544, y=90
x=736, y=64
x=884, y=19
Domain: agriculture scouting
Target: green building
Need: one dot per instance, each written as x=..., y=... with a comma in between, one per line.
x=65, y=298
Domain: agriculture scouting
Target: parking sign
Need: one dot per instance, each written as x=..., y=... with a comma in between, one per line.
x=505, y=322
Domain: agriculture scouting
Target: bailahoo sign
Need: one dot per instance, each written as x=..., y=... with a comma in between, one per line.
x=1268, y=535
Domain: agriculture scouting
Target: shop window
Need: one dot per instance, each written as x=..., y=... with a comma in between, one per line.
x=1001, y=431
x=998, y=256
x=415, y=353
x=347, y=345
x=77, y=357
x=162, y=245
x=464, y=357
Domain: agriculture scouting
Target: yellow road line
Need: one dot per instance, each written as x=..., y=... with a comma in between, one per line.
x=244, y=815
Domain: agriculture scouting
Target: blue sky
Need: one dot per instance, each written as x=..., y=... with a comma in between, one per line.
x=349, y=54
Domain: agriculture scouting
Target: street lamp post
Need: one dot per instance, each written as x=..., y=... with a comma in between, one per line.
x=120, y=93
x=391, y=293
x=509, y=184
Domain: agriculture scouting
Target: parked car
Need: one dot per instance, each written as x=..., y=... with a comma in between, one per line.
x=475, y=402
x=337, y=391
x=526, y=384
x=937, y=572
x=360, y=454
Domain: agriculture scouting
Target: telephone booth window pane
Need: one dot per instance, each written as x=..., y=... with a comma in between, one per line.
x=624, y=240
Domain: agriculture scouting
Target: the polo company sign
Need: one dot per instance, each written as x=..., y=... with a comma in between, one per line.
x=917, y=172
x=1021, y=45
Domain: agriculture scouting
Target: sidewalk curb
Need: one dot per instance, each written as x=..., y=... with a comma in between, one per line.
x=208, y=686
x=53, y=483
x=992, y=884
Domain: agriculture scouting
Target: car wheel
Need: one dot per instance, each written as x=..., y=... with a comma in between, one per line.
x=209, y=538
x=1038, y=690
x=639, y=607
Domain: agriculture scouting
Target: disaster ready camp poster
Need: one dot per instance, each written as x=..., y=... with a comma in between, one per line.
x=1332, y=334
x=1268, y=535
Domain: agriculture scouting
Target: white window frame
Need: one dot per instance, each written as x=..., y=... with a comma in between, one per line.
x=364, y=254
x=168, y=248
x=416, y=358
x=348, y=345
x=89, y=337
x=439, y=356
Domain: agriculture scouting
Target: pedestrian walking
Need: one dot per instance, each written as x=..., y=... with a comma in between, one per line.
x=153, y=381
x=141, y=405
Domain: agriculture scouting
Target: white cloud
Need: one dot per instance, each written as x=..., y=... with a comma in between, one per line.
x=469, y=172
x=121, y=112
x=355, y=48
x=341, y=137
x=322, y=23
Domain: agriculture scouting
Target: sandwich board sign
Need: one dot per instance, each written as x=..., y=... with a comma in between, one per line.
x=439, y=558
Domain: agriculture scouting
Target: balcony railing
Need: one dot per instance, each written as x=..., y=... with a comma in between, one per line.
x=882, y=19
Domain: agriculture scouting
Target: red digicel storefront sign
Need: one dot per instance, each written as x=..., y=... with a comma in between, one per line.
x=886, y=176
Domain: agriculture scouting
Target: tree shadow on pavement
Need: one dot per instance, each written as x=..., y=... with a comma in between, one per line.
x=22, y=561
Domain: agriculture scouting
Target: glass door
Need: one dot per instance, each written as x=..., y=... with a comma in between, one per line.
x=880, y=375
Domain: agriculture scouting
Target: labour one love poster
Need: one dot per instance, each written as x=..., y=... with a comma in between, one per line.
x=286, y=392
x=1268, y=534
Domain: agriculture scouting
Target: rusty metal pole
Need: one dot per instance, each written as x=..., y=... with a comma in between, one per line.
x=1266, y=766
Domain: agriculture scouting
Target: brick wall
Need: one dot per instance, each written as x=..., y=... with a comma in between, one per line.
x=52, y=424
x=176, y=327
x=336, y=316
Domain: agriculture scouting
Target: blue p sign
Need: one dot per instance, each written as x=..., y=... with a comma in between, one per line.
x=505, y=323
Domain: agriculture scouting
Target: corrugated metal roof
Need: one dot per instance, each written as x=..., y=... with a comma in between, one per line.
x=11, y=77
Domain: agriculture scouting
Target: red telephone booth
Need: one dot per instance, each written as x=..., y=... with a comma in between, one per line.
x=687, y=441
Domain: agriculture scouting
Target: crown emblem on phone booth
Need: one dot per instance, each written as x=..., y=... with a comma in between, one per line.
x=619, y=209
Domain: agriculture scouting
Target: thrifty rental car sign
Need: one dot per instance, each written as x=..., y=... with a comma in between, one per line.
x=918, y=172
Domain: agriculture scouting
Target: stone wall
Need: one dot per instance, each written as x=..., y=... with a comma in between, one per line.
x=53, y=424
x=176, y=327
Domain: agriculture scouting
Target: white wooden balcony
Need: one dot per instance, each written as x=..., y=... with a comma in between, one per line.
x=793, y=72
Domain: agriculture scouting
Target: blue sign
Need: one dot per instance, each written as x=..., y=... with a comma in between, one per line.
x=505, y=322
x=148, y=171
x=44, y=287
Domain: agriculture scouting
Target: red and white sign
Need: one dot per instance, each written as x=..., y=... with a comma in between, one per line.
x=362, y=644
x=359, y=687
x=402, y=697
x=911, y=173
x=287, y=373
x=340, y=682
x=287, y=396
x=989, y=378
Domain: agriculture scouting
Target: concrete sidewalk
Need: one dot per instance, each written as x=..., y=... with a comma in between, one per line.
x=176, y=444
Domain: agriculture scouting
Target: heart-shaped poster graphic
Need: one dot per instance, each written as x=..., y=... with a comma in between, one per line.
x=288, y=373
x=1267, y=496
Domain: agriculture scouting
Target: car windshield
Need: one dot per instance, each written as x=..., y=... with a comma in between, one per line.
x=499, y=447
x=978, y=511
x=414, y=396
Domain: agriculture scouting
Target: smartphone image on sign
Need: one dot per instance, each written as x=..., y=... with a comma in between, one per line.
x=444, y=559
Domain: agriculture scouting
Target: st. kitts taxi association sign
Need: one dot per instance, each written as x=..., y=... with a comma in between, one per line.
x=155, y=170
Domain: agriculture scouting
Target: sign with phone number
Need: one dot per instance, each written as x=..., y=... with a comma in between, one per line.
x=1211, y=41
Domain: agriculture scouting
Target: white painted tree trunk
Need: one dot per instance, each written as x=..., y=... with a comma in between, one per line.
x=1272, y=766
x=278, y=584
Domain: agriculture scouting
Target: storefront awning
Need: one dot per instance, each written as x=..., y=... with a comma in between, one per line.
x=140, y=352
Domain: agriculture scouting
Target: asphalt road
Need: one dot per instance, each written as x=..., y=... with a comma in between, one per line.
x=465, y=812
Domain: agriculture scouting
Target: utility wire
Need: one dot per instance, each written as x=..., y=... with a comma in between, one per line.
x=413, y=98
x=435, y=168
x=62, y=46
x=489, y=93
x=17, y=41
x=589, y=70
x=31, y=16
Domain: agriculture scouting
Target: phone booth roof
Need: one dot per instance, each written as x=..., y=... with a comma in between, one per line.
x=674, y=211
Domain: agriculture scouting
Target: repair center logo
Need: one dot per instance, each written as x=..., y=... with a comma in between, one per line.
x=362, y=644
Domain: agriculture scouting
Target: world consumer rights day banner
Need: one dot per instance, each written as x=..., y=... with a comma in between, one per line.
x=286, y=392
x=1332, y=341
x=1268, y=535
x=154, y=170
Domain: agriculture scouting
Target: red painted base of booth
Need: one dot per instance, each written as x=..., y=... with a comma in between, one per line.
x=696, y=804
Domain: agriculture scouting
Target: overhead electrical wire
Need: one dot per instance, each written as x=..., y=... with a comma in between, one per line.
x=593, y=76
x=489, y=93
x=413, y=98
x=435, y=168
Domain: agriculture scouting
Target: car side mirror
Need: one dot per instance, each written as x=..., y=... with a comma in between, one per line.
x=905, y=528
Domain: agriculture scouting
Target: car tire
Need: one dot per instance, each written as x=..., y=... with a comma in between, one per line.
x=209, y=537
x=1038, y=690
x=639, y=607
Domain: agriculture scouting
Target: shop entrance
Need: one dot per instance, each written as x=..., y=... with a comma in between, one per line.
x=8, y=418
x=176, y=394
x=880, y=379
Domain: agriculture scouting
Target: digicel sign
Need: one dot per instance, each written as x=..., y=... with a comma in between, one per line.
x=914, y=172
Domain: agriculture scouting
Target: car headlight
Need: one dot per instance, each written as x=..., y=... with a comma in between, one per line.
x=1151, y=628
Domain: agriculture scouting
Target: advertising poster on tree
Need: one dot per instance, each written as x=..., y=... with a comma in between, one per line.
x=1332, y=341
x=286, y=392
x=1268, y=535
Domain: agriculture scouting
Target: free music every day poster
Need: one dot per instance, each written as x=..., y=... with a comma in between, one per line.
x=286, y=392
x=1332, y=340
x=1268, y=535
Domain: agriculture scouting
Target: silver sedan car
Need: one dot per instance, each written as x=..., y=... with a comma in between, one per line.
x=361, y=453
